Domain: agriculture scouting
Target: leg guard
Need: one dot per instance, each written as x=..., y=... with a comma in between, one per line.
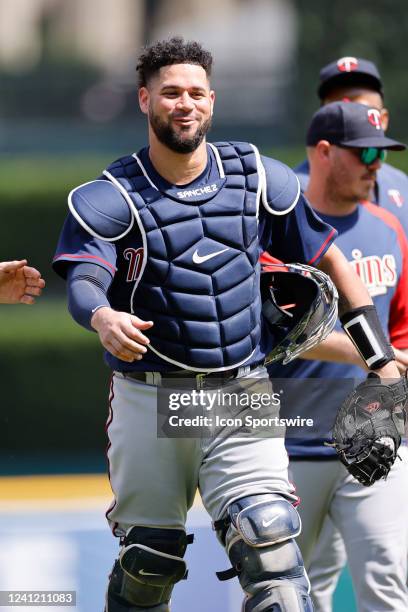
x=149, y=565
x=258, y=535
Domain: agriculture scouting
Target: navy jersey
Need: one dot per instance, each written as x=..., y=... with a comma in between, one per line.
x=375, y=245
x=297, y=236
x=391, y=190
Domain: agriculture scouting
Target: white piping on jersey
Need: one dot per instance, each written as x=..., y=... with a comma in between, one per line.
x=140, y=225
x=261, y=178
x=217, y=159
x=143, y=169
x=214, y=150
x=84, y=224
x=190, y=368
x=264, y=188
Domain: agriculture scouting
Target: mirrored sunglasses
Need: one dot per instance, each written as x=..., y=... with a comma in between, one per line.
x=370, y=154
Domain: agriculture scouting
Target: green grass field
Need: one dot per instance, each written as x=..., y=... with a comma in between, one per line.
x=46, y=174
x=47, y=322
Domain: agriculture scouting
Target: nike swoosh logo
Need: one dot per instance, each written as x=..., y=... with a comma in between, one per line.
x=199, y=259
x=267, y=523
x=143, y=573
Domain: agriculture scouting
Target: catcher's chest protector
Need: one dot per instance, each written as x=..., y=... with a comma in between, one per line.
x=200, y=280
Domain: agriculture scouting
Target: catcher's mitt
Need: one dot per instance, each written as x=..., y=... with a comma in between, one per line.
x=368, y=428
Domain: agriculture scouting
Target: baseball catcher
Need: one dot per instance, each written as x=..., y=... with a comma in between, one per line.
x=161, y=255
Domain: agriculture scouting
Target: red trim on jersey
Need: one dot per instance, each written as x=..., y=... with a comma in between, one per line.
x=83, y=258
x=267, y=258
x=398, y=321
x=268, y=263
x=324, y=245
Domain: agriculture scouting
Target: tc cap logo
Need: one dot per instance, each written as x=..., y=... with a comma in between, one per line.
x=374, y=117
x=347, y=64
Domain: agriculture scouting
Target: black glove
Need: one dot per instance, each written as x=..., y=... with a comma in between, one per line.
x=368, y=428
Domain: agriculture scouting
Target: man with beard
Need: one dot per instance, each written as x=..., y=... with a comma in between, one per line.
x=345, y=146
x=161, y=256
x=356, y=79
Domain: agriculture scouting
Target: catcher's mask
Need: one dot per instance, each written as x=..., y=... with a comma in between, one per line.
x=299, y=304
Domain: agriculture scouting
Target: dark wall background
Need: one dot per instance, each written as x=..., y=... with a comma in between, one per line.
x=376, y=30
x=41, y=107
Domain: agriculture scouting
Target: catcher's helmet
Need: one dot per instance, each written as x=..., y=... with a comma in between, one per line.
x=299, y=303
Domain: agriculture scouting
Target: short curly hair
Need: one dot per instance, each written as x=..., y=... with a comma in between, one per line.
x=173, y=51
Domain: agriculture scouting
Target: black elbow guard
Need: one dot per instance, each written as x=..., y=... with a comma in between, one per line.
x=363, y=327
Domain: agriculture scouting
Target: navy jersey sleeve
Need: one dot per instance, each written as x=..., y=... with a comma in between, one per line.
x=76, y=245
x=302, y=172
x=300, y=236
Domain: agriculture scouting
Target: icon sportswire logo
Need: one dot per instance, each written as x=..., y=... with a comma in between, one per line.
x=199, y=259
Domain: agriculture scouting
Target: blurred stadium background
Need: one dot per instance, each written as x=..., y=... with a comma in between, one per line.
x=68, y=106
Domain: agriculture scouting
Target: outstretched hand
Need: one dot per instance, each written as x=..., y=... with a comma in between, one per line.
x=19, y=283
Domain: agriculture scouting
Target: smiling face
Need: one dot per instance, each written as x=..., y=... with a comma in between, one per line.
x=179, y=103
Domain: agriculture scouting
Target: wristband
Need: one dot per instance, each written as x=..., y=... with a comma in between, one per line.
x=363, y=327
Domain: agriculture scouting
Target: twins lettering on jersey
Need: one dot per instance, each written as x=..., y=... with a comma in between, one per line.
x=377, y=273
x=189, y=193
x=396, y=197
x=135, y=258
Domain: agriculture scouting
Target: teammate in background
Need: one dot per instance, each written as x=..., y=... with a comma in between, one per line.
x=345, y=150
x=161, y=256
x=358, y=80
x=19, y=283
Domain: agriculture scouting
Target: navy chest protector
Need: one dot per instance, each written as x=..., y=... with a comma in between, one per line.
x=199, y=280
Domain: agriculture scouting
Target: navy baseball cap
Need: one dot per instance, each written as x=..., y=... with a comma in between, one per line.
x=349, y=71
x=349, y=124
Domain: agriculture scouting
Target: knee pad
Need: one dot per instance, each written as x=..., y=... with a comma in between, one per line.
x=149, y=565
x=258, y=535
